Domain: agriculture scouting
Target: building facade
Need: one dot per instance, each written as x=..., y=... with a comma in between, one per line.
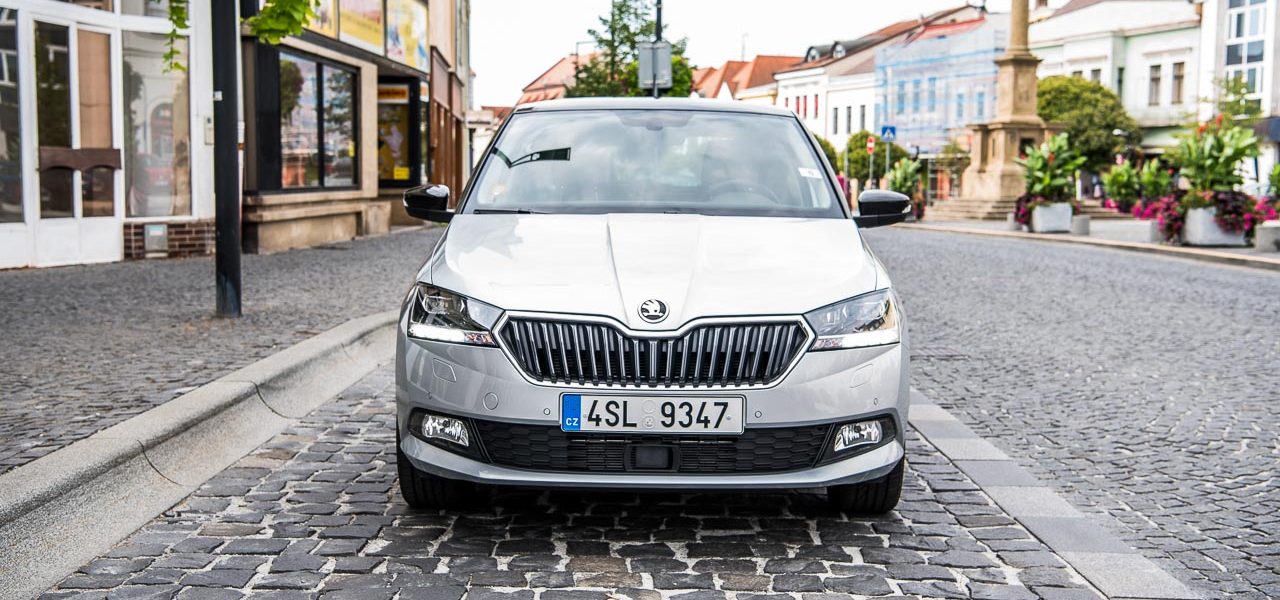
x=1238, y=40
x=1146, y=51
x=107, y=151
x=937, y=81
x=105, y=155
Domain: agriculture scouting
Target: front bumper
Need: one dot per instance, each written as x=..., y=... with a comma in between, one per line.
x=481, y=383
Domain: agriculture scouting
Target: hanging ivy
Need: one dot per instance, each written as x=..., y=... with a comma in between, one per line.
x=276, y=20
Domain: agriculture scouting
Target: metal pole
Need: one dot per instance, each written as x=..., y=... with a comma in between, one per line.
x=886, y=158
x=226, y=155
x=871, y=171
x=657, y=38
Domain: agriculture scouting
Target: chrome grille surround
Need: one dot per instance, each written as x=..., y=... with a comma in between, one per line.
x=598, y=352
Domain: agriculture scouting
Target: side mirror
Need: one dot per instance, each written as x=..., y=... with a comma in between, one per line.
x=428, y=202
x=882, y=207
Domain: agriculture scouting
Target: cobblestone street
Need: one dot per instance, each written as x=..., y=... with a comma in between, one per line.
x=315, y=512
x=1144, y=388
x=89, y=346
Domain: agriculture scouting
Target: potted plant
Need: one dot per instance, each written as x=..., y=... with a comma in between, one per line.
x=1122, y=186
x=904, y=178
x=1050, y=171
x=1214, y=211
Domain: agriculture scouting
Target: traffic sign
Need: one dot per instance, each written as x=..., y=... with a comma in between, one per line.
x=889, y=133
x=871, y=144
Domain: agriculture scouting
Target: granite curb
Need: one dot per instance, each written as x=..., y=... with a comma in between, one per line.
x=1110, y=564
x=1202, y=254
x=67, y=507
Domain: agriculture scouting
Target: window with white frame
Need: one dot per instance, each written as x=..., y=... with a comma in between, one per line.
x=1179, y=81
x=1246, y=41
x=1153, y=86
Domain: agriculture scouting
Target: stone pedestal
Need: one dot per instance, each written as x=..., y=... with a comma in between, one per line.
x=1266, y=236
x=992, y=175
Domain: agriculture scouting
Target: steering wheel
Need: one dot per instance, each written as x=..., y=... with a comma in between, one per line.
x=743, y=185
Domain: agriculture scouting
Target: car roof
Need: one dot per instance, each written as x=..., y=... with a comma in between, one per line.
x=568, y=104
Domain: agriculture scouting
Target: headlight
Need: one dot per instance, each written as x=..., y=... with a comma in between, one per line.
x=867, y=320
x=443, y=316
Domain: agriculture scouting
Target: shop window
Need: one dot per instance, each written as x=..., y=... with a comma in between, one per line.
x=317, y=146
x=145, y=8
x=93, y=76
x=53, y=119
x=98, y=4
x=393, y=133
x=157, y=123
x=10, y=121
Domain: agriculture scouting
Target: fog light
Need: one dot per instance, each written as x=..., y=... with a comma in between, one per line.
x=857, y=434
x=444, y=428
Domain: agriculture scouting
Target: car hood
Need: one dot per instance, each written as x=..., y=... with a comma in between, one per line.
x=699, y=266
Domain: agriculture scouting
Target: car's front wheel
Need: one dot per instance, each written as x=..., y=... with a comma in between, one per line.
x=874, y=497
x=426, y=491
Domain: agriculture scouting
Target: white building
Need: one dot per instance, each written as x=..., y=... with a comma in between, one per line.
x=1238, y=39
x=1147, y=51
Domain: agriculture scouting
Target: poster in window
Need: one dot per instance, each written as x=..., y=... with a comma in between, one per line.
x=326, y=20
x=361, y=24
x=407, y=33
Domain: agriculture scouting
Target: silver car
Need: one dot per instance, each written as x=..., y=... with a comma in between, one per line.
x=652, y=294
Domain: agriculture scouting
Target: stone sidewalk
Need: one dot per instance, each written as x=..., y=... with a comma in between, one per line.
x=89, y=346
x=1118, y=234
x=315, y=513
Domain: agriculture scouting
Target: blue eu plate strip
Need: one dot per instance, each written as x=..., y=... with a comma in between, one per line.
x=571, y=412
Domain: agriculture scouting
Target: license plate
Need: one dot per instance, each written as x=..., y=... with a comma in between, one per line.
x=652, y=414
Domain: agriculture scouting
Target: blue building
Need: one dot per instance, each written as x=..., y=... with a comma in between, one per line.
x=940, y=79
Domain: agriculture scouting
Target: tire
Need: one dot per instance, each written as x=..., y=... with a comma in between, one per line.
x=875, y=497
x=424, y=491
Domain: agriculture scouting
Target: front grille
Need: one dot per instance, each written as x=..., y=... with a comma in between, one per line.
x=547, y=448
x=708, y=355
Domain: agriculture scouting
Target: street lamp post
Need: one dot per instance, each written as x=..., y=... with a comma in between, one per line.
x=657, y=38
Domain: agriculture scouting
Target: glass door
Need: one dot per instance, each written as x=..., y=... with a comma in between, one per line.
x=77, y=217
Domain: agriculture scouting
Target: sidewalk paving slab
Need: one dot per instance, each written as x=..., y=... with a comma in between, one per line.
x=1113, y=566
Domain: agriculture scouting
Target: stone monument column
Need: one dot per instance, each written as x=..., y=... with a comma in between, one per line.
x=992, y=182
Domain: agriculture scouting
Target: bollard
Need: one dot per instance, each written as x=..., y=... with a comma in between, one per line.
x=1011, y=222
x=1266, y=236
x=1080, y=225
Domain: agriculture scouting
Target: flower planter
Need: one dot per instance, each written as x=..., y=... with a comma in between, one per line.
x=1051, y=218
x=1202, y=230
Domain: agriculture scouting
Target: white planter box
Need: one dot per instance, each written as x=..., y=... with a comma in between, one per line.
x=1201, y=230
x=1051, y=218
x=1266, y=236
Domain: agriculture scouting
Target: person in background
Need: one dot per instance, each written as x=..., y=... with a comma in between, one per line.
x=844, y=183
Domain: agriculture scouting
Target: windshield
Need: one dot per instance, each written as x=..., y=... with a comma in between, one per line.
x=679, y=161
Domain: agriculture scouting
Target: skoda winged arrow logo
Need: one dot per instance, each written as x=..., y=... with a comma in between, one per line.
x=653, y=310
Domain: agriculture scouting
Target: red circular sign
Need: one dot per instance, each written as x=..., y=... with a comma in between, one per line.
x=871, y=145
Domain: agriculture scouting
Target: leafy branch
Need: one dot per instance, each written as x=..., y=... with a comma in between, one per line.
x=276, y=20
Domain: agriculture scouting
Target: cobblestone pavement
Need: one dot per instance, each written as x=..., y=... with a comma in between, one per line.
x=89, y=346
x=315, y=513
x=1143, y=387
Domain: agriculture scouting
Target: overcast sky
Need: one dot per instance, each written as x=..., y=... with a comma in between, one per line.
x=514, y=41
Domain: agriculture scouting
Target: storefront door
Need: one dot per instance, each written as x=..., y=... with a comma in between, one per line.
x=59, y=171
x=77, y=159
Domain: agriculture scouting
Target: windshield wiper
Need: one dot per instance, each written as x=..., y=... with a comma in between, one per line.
x=506, y=211
x=552, y=154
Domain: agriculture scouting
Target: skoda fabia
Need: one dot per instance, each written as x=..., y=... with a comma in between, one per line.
x=652, y=294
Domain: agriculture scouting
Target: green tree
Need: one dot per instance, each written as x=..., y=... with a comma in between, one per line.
x=859, y=161
x=1092, y=114
x=276, y=20
x=614, y=69
x=829, y=151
